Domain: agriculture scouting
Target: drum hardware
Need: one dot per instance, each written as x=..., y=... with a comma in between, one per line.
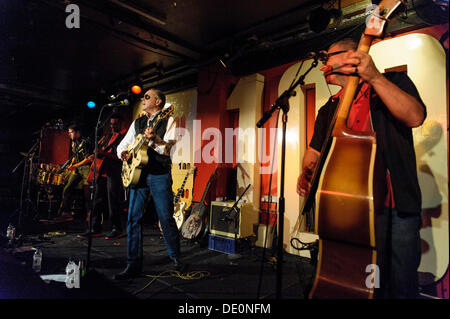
x=26, y=206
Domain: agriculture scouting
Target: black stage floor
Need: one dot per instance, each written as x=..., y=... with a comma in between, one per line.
x=250, y=274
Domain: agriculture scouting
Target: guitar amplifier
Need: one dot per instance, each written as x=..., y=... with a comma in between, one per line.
x=236, y=223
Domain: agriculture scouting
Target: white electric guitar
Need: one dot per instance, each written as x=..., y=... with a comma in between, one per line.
x=180, y=206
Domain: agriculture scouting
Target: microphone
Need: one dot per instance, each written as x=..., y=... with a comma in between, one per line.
x=123, y=102
x=321, y=55
x=115, y=96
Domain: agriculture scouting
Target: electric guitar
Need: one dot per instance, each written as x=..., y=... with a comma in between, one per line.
x=180, y=207
x=71, y=159
x=132, y=168
x=195, y=225
x=99, y=161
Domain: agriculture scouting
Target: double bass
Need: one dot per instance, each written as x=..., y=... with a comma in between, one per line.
x=350, y=193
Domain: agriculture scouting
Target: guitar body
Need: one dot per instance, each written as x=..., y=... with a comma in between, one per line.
x=350, y=194
x=179, y=214
x=132, y=169
x=90, y=177
x=195, y=225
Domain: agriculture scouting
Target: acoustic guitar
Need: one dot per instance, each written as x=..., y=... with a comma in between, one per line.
x=195, y=225
x=132, y=168
x=350, y=191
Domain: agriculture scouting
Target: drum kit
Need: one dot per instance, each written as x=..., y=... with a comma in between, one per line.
x=49, y=175
x=43, y=179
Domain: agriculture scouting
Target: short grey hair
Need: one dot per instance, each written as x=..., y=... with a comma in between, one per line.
x=347, y=43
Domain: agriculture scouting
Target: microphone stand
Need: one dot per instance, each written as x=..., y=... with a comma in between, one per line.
x=282, y=103
x=94, y=184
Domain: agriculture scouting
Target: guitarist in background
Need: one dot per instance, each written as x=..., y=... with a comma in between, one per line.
x=391, y=106
x=155, y=178
x=109, y=192
x=80, y=148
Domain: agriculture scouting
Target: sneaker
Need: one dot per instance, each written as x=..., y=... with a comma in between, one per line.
x=114, y=234
x=85, y=235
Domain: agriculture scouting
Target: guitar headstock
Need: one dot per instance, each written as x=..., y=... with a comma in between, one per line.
x=166, y=112
x=376, y=22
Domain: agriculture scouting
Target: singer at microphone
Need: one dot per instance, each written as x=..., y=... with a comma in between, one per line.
x=321, y=55
x=123, y=102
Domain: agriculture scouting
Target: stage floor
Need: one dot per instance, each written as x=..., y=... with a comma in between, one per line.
x=209, y=274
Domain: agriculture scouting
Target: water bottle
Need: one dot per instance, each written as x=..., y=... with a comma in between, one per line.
x=37, y=260
x=11, y=232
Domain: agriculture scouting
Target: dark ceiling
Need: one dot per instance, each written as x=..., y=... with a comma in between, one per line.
x=160, y=43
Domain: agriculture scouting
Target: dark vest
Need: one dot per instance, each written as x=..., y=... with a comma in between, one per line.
x=157, y=164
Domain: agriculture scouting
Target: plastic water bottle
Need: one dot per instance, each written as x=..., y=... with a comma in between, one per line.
x=11, y=232
x=37, y=260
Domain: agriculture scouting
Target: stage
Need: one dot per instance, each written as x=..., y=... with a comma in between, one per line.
x=207, y=274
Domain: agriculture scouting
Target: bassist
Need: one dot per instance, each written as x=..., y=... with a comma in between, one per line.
x=390, y=105
x=156, y=178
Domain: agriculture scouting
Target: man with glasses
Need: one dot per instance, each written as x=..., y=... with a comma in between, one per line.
x=390, y=105
x=155, y=178
x=80, y=149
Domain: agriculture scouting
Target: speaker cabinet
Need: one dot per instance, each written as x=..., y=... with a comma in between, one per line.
x=236, y=223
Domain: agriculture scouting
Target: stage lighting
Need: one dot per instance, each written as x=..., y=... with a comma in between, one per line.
x=90, y=104
x=136, y=89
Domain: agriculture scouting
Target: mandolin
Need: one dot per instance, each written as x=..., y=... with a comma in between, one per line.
x=132, y=168
x=195, y=225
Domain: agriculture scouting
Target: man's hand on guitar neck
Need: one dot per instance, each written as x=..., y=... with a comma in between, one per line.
x=151, y=135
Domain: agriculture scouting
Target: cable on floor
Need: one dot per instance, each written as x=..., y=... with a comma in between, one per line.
x=192, y=275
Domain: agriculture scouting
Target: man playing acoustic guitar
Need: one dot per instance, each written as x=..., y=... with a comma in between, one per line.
x=156, y=178
x=390, y=105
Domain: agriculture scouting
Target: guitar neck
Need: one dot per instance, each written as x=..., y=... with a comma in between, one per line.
x=181, y=189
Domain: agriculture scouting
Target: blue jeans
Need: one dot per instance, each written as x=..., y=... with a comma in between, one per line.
x=161, y=189
x=398, y=254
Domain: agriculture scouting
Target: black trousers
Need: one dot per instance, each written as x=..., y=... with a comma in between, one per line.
x=69, y=189
x=108, y=198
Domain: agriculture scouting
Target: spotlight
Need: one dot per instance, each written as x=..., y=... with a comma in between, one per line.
x=90, y=104
x=136, y=89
